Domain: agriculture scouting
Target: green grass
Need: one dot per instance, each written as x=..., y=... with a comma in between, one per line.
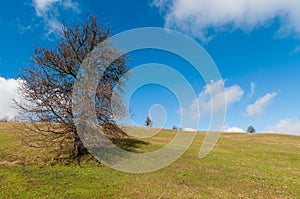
x=240, y=166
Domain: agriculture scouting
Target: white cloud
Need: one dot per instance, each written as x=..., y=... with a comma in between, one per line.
x=23, y=28
x=8, y=91
x=69, y=4
x=43, y=6
x=189, y=129
x=203, y=18
x=234, y=130
x=286, y=126
x=213, y=98
x=295, y=50
x=252, y=88
x=49, y=11
x=260, y=105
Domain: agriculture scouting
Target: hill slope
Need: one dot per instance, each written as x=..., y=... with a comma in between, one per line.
x=240, y=166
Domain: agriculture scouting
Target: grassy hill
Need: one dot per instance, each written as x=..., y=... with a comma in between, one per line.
x=240, y=166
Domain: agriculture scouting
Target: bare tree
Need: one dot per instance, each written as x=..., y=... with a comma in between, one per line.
x=148, y=121
x=48, y=85
x=4, y=119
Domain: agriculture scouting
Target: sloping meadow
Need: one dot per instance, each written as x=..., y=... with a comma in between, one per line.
x=240, y=166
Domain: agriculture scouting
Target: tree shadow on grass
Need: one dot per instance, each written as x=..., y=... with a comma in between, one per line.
x=121, y=139
x=129, y=144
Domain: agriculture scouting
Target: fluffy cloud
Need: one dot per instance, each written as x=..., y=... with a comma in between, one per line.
x=48, y=10
x=233, y=130
x=286, y=126
x=43, y=6
x=213, y=98
x=203, y=18
x=189, y=129
x=210, y=99
x=260, y=105
x=8, y=91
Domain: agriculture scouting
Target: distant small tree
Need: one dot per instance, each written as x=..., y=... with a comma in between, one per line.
x=4, y=119
x=148, y=121
x=175, y=127
x=251, y=129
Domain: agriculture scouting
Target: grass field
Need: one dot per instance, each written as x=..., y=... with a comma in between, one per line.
x=240, y=166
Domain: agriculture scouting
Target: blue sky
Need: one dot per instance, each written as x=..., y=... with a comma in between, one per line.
x=255, y=45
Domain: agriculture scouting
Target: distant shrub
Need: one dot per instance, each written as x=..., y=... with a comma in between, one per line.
x=175, y=127
x=4, y=119
x=148, y=121
x=251, y=129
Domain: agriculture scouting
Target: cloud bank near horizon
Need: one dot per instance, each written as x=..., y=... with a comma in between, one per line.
x=8, y=90
x=286, y=126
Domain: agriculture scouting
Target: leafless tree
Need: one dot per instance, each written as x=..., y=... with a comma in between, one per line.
x=4, y=119
x=148, y=121
x=48, y=85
